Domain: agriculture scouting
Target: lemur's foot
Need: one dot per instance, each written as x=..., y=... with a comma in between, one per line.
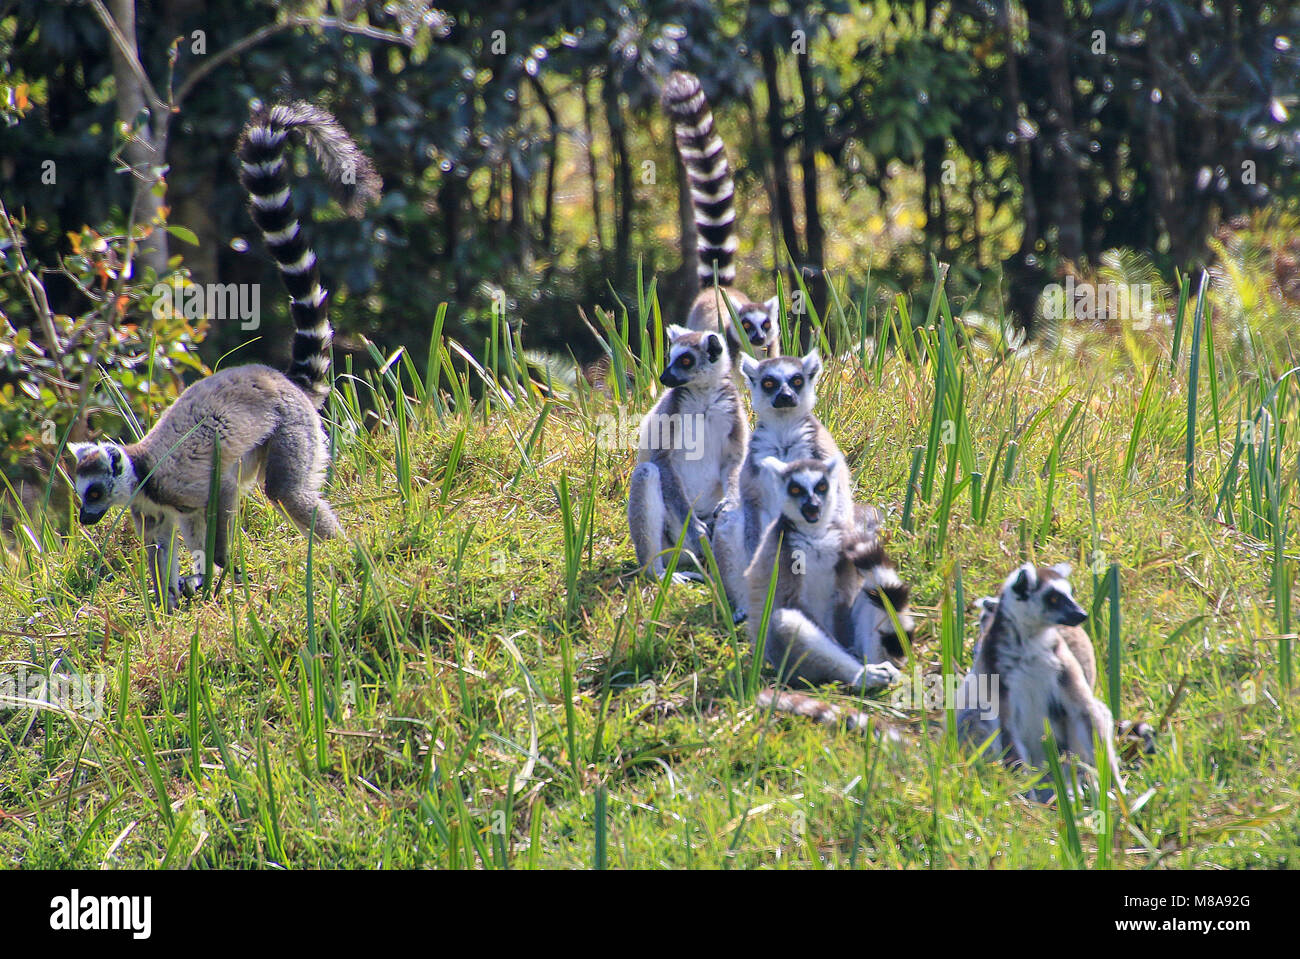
x=876, y=675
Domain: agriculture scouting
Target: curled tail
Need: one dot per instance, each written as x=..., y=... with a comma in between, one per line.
x=712, y=192
x=880, y=581
x=264, y=172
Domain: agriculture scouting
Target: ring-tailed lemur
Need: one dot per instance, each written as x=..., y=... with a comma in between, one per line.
x=266, y=422
x=783, y=391
x=1044, y=670
x=828, y=621
x=691, y=445
x=975, y=726
x=713, y=197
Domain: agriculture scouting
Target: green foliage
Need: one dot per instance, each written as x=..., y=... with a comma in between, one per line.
x=119, y=359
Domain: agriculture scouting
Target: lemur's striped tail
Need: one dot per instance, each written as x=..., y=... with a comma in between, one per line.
x=818, y=710
x=264, y=172
x=712, y=192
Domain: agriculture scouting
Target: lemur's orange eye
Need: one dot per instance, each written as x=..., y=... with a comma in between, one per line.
x=769, y=384
x=796, y=381
x=794, y=489
x=822, y=487
x=687, y=361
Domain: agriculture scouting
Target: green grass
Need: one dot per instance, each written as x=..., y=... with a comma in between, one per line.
x=478, y=678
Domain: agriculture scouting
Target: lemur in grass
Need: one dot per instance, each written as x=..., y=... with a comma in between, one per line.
x=783, y=392
x=266, y=422
x=1044, y=669
x=834, y=589
x=975, y=725
x=691, y=445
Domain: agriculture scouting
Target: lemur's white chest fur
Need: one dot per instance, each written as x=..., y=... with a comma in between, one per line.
x=707, y=420
x=787, y=438
x=1031, y=668
x=813, y=560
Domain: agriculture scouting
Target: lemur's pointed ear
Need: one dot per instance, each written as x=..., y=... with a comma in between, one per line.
x=1024, y=582
x=87, y=454
x=749, y=368
x=675, y=332
x=773, y=307
x=714, y=346
x=772, y=464
x=812, y=364
x=1063, y=570
x=833, y=464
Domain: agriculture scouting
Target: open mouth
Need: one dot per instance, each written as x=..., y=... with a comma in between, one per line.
x=811, y=513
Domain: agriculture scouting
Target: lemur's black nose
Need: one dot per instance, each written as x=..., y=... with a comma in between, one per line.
x=88, y=518
x=671, y=378
x=784, y=399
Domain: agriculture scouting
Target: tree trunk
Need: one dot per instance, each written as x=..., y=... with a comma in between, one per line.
x=146, y=149
x=1021, y=271
x=552, y=147
x=814, y=234
x=519, y=224
x=589, y=127
x=1067, y=203
x=623, y=195
x=780, y=167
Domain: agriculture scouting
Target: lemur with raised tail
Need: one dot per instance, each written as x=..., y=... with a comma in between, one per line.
x=713, y=197
x=1043, y=669
x=783, y=391
x=691, y=445
x=266, y=422
x=830, y=620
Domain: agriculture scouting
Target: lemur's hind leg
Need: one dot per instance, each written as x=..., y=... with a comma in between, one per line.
x=295, y=470
x=728, y=542
x=799, y=647
x=650, y=522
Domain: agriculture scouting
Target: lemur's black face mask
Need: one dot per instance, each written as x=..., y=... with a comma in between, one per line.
x=93, y=505
x=1063, y=609
x=757, y=326
x=676, y=373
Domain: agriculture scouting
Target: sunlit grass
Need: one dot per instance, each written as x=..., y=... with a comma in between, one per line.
x=476, y=676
